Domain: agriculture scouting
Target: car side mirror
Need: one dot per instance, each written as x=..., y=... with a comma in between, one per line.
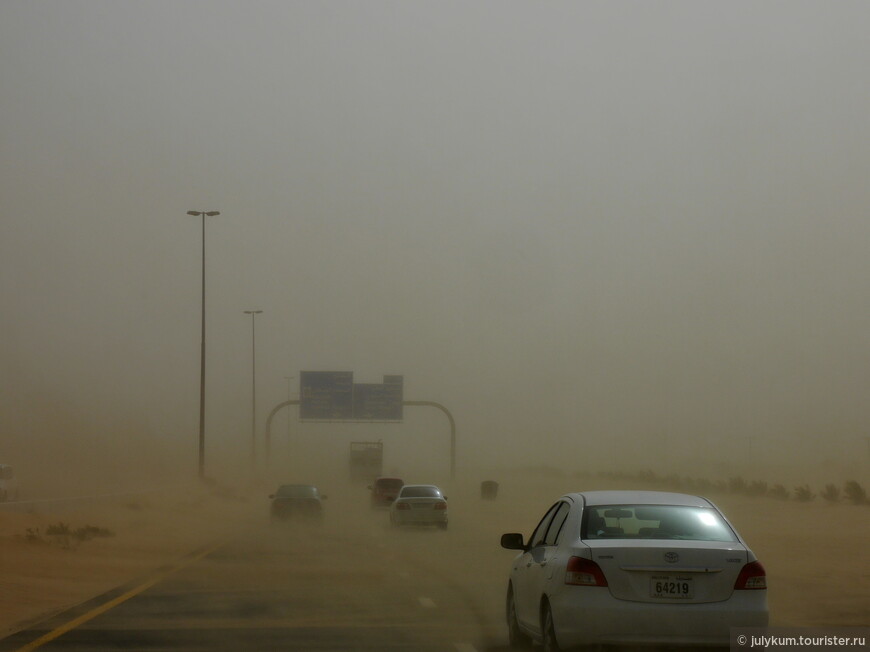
x=513, y=541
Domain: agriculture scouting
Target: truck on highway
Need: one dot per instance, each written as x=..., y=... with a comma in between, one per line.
x=366, y=461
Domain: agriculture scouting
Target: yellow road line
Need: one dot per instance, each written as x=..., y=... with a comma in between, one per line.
x=114, y=602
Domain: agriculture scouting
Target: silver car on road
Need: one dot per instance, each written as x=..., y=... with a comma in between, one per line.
x=419, y=504
x=632, y=568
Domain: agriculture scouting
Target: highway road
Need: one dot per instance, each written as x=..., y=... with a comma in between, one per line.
x=352, y=583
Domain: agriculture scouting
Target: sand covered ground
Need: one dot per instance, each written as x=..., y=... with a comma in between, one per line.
x=42, y=574
x=816, y=554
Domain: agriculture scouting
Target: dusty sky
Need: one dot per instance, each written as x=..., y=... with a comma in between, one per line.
x=602, y=234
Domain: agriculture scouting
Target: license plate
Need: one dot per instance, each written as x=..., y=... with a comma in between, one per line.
x=669, y=586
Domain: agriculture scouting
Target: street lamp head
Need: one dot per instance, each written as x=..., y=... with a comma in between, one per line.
x=252, y=312
x=197, y=213
x=212, y=213
x=209, y=213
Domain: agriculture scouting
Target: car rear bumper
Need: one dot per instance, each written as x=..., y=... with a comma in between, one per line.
x=419, y=517
x=599, y=618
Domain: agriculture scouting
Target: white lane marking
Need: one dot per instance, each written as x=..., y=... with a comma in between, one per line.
x=426, y=602
x=464, y=647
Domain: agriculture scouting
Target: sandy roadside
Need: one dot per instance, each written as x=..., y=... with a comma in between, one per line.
x=42, y=574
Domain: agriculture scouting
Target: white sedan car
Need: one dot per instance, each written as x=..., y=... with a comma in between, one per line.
x=632, y=568
x=419, y=504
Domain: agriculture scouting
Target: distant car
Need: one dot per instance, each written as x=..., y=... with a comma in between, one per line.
x=632, y=568
x=419, y=504
x=384, y=491
x=297, y=501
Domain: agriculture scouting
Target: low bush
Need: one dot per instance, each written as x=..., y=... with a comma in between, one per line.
x=804, y=494
x=33, y=535
x=831, y=493
x=778, y=491
x=737, y=485
x=64, y=536
x=855, y=493
x=89, y=532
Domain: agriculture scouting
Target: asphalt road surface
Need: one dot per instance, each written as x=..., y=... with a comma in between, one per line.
x=352, y=583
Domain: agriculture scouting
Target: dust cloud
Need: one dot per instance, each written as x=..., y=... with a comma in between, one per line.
x=620, y=233
x=621, y=244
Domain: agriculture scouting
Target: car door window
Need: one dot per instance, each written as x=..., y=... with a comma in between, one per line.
x=537, y=538
x=559, y=516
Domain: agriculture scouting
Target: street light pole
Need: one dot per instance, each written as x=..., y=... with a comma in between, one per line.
x=253, y=314
x=202, y=350
x=289, y=396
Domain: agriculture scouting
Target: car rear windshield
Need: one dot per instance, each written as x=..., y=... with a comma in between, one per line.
x=297, y=491
x=421, y=492
x=391, y=484
x=655, y=522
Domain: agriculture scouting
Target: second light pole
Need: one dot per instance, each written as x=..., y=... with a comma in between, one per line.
x=253, y=314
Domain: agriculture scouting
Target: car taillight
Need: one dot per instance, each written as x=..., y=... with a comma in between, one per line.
x=752, y=576
x=440, y=506
x=584, y=572
x=403, y=506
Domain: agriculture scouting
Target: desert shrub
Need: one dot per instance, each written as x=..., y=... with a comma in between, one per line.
x=855, y=493
x=89, y=532
x=648, y=475
x=63, y=535
x=757, y=488
x=60, y=534
x=705, y=485
x=737, y=485
x=803, y=494
x=778, y=491
x=831, y=493
x=33, y=535
x=59, y=530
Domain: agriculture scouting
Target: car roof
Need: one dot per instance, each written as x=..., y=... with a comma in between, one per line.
x=593, y=498
x=287, y=486
x=421, y=485
x=384, y=477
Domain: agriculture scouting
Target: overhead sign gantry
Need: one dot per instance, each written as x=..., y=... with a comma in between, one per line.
x=333, y=396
